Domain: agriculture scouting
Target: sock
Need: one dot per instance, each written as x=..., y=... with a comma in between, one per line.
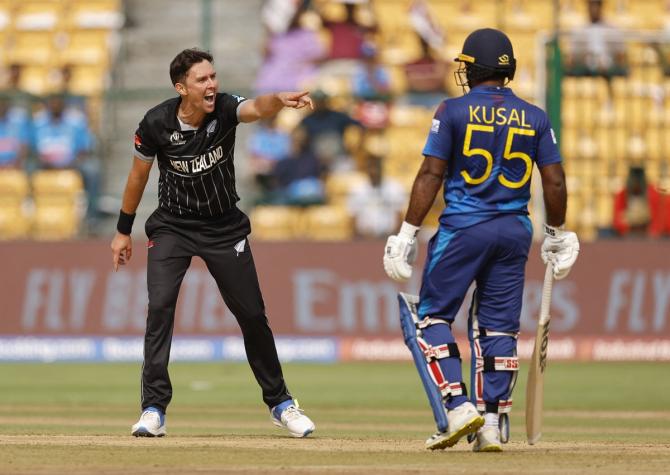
x=491, y=419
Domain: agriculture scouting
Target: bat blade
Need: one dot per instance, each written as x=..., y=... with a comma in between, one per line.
x=535, y=385
x=538, y=363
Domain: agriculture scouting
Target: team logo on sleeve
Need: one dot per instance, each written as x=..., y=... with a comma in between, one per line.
x=435, y=127
x=138, y=140
x=239, y=98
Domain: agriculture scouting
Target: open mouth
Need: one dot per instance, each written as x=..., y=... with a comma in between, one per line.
x=209, y=98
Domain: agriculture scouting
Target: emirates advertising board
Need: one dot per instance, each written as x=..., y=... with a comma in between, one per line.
x=325, y=302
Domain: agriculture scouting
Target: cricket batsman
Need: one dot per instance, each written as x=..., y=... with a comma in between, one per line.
x=482, y=146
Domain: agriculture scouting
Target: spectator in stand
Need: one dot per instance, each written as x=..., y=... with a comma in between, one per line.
x=267, y=145
x=371, y=80
x=62, y=140
x=596, y=49
x=299, y=176
x=426, y=75
x=377, y=204
x=640, y=209
x=15, y=131
x=278, y=14
x=325, y=129
x=291, y=57
x=348, y=36
x=20, y=99
x=371, y=84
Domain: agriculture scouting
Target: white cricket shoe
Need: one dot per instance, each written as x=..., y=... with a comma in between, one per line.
x=289, y=416
x=488, y=440
x=151, y=424
x=463, y=420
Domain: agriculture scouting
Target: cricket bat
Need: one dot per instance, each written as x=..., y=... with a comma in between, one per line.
x=538, y=363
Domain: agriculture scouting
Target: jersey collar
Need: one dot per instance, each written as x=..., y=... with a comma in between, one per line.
x=490, y=90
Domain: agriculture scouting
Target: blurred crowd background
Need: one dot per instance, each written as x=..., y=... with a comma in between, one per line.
x=78, y=75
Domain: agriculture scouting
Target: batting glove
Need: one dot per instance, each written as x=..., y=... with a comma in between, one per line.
x=400, y=253
x=561, y=248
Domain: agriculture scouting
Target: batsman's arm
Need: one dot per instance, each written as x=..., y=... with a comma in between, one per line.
x=122, y=248
x=427, y=183
x=555, y=193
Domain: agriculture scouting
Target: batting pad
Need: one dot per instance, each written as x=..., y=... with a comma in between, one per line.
x=408, y=323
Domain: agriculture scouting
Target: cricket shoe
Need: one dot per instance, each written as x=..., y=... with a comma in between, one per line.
x=488, y=440
x=463, y=420
x=151, y=424
x=289, y=416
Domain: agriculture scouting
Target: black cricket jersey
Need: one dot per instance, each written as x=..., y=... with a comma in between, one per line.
x=197, y=175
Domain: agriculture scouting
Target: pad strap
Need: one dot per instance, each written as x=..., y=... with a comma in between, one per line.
x=447, y=350
x=489, y=364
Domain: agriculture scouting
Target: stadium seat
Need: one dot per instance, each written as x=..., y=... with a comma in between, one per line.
x=59, y=203
x=57, y=186
x=14, y=189
x=340, y=184
x=38, y=15
x=275, y=223
x=32, y=48
x=55, y=222
x=88, y=80
x=86, y=48
x=94, y=14
x=328, y=223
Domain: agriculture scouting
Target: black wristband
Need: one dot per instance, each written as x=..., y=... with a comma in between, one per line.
x=125, y=223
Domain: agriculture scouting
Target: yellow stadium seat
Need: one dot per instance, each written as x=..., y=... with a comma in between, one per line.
x=94, y=14
x=86, y=47
x=88, y=80
x=66, y=183
x=39, y=80
x=14, y=189
x=275, y=223
x=55, y=221
x=328, y=223
x=340, y=184
x=14, y=223
x=6, y=16
x=38, y=15
x=59, y=204
x=32, y=47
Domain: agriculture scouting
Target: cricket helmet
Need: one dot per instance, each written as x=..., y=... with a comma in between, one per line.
x=486, y=52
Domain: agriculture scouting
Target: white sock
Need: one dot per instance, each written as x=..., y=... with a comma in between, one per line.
x=491, y=419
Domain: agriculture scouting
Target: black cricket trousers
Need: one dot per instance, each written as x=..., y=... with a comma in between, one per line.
x=173, y=241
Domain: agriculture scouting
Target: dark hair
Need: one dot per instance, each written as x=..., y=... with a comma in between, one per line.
x=183, y=61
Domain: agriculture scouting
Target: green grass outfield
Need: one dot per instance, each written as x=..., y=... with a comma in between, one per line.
x=371, y=417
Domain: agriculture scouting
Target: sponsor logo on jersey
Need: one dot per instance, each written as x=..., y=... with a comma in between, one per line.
x=435, y=127
x=239, y=98
x=177, y=138
x=211, y=127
